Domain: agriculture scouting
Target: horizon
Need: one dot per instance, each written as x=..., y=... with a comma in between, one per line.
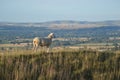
x=24, y=11
x=57, y=21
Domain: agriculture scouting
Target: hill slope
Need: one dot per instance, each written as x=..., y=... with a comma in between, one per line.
x=60, y=65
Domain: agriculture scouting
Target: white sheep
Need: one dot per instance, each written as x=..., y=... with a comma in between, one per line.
x=43, y=42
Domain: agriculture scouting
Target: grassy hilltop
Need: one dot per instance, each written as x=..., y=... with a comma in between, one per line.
x=60, y=65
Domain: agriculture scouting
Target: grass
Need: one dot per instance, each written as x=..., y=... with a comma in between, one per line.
x=64, y=64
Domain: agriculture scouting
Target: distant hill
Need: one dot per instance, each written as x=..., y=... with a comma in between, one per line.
x=65, y=24
x=97, y=31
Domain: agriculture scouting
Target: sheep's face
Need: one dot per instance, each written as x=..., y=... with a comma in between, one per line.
x=51, y=35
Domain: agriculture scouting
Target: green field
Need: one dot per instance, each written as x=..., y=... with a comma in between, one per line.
x=66, y=64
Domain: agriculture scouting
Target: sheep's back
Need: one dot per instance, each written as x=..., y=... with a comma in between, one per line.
x=45, y=41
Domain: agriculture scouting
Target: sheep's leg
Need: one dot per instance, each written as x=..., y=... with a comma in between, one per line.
x=48, y=50
x=35, y=47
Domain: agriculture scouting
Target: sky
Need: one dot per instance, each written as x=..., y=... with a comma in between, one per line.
x=52, y=10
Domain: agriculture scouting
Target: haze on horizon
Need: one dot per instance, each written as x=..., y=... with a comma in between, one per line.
x=51, y=10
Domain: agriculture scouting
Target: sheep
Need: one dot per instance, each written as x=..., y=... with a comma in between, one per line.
x=43, y=42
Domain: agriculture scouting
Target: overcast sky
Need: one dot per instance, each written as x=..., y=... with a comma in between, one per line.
x=50, y=10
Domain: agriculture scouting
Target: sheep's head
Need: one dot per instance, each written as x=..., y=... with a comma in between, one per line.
x=51, y=35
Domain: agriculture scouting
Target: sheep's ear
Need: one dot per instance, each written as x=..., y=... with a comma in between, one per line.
x=51, y=33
